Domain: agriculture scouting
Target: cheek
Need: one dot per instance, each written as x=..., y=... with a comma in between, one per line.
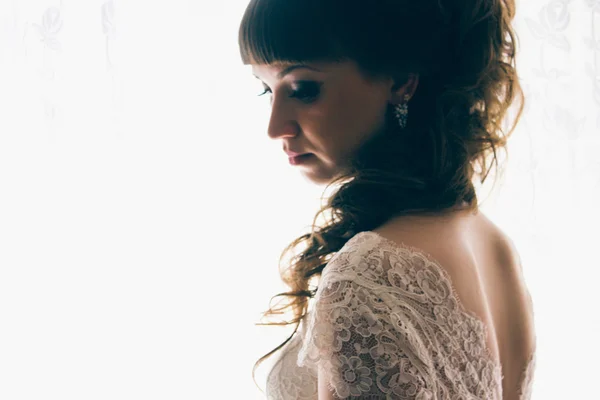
x=331, y=127
x=325, y=120
x=340, y=122
x=337, y=115
x=361, y=109
x=358, y=120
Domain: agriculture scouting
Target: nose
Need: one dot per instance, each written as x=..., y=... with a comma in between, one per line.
x=282, y=122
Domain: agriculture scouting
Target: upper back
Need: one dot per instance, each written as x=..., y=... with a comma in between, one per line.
x=486, y=274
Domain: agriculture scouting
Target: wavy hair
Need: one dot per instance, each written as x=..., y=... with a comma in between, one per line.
x=464, y=53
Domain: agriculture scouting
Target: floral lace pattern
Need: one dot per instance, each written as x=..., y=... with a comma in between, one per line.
x=387, y=324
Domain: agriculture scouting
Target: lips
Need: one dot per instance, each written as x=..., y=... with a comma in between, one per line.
x=293, y=154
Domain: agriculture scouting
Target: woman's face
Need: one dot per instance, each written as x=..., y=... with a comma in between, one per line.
x=325, y=109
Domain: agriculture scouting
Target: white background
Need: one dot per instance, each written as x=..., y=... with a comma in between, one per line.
x=143, y=208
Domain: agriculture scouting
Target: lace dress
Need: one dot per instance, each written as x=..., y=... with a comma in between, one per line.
x=387, y=324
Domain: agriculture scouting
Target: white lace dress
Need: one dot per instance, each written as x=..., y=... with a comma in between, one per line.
x=386, y=324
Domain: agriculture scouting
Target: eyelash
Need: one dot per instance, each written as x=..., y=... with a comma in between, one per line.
x=303, y=89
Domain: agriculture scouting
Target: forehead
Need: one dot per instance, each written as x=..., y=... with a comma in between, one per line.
x=258, y=69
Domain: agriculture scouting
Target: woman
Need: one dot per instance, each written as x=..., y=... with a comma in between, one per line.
x=394, y=103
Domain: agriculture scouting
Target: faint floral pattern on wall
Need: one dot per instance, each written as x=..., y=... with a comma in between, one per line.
x=48, y=33
x=592, y=43
x=594, y=5
x=553, y=19
x=50, y=27
x=108, y=27
x=562, y=86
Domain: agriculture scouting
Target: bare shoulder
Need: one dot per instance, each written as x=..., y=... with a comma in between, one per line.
x=466, y=244
x=444, y=233
x=506, y=252
x=442, y=236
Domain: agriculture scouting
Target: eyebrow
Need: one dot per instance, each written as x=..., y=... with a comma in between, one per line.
x=289, y=69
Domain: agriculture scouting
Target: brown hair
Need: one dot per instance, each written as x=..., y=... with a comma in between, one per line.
x=464, y=53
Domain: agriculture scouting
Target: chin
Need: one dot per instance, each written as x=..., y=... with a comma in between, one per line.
x=322, y=179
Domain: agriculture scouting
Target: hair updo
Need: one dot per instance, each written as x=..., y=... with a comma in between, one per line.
x=464, y=53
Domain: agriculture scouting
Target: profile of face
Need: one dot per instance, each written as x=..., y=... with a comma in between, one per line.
x=328, y=110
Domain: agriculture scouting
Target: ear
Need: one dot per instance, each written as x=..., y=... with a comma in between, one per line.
x=403, y=86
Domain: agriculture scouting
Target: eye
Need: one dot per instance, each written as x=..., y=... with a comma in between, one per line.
x=306, y=90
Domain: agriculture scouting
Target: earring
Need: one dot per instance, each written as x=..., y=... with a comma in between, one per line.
x=401, y=111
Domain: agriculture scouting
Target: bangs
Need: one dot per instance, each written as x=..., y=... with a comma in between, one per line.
x=289, y=31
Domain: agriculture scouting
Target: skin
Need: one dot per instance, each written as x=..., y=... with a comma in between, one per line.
x=330, y=113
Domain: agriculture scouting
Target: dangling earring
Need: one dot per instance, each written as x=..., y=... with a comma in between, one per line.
x=401, y=111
